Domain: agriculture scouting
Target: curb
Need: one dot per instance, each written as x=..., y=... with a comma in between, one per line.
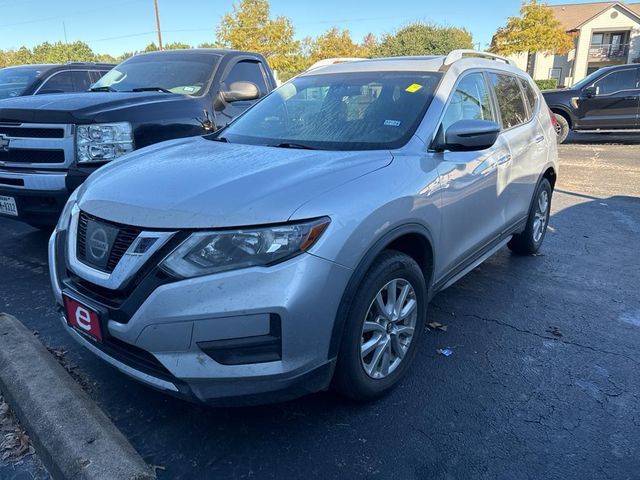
x=72, y=436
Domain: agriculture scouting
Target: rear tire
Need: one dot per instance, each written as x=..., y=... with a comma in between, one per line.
x=530, y=241
x=562, y=129
x=384, y=324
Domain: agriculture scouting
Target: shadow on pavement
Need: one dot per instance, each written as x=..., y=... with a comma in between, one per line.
x=603, y=139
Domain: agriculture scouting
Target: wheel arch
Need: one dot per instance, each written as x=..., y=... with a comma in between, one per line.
x=414, y=240
x=565, y=113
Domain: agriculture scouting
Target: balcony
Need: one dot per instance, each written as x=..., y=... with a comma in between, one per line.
x=615, y=52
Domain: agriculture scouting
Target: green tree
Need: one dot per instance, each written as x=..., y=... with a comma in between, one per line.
x=369, y=45
x=60, y=52
x=250, y=27
x=177, y=46
x=423, y=39
x=535, y=30
x=334, y=43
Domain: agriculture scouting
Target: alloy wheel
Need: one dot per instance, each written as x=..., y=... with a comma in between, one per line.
x=388, y=328
x=541, y=216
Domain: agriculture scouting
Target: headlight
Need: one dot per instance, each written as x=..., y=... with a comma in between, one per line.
x=204, y=253
x=103, y=142
x=65, y=216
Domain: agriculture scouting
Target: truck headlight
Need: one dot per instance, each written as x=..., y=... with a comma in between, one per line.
x=103, y=142
x=204, y=253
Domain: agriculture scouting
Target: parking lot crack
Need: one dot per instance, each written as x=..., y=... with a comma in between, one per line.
x=555, y=339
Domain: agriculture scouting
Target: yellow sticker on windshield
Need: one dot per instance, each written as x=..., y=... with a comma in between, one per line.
x=413, y=88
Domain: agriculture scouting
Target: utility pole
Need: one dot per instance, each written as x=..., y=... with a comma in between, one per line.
x=155, y=3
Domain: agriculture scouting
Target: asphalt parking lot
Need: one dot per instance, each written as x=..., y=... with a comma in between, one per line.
x=542, y=383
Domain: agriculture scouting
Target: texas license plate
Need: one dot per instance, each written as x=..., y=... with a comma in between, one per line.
x=8, y=206
x=82, y=318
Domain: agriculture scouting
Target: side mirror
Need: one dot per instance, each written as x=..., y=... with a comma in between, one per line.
x=590, y=92
x=241, y=92
x=468, y=136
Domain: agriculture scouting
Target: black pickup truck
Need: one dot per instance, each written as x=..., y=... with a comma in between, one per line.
x=606, y=101
x=49, y=144
x=67, y=77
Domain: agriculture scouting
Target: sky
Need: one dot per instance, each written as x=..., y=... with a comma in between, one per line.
x=117, y=26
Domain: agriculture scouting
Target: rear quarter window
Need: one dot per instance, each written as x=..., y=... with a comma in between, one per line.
x=530, y=93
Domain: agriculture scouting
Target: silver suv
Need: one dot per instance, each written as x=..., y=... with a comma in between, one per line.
x=298, y=247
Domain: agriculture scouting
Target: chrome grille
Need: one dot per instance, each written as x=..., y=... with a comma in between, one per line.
x=29, y=132
x=122, y=242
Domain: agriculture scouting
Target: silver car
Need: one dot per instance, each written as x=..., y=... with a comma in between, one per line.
x=298, y=248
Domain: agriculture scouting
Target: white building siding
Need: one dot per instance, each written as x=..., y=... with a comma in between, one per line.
x=573, y=66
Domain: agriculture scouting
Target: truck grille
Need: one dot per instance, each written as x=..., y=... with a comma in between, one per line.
x=47, y=145
x=32, y=132
x=23, y=155
x=122, y=242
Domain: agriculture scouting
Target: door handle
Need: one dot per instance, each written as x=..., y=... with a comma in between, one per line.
x=539, y=139
x=635, y=97
x=504, y=159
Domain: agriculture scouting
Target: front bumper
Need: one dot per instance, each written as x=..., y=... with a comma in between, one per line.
x=175, y=331
x=40, y=195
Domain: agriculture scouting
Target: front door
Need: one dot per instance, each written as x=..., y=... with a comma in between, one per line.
x=614, y=101
x=472, y=213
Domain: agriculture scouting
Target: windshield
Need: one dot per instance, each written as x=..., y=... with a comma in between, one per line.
x=346, y=111
x=187, y=75
x=588, y=79
x=14, y=81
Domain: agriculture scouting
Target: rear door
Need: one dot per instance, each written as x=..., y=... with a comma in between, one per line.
x=615, y=102
x=471, y=200
x=518, y=175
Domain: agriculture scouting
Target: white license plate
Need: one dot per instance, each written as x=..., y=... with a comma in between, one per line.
x=8, y=206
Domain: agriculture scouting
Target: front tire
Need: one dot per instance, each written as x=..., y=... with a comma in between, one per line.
x=562, y=128
x=383, y=328
x=530, y=241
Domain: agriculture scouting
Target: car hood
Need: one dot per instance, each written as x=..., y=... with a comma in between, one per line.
x=199, y=183
x=77, y=107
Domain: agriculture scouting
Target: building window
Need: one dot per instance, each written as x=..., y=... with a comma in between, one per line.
x=555, y=74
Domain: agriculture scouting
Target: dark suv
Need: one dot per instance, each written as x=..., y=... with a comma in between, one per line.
x=70, y=77
x=606, y=101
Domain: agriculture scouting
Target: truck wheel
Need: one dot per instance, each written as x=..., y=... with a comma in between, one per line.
x=562, y=128
x=383, y=328
x=530, y=241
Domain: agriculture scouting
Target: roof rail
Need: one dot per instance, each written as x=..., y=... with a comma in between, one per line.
x=456, y=55
x=333, y=61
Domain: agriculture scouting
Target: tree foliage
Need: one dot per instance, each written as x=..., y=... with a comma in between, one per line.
x=250, y=27
x=46, y=52
x=334, y=43
x=535, y=30
x=421, y=38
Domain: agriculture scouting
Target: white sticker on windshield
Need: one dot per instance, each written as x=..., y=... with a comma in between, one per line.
x=188, y=89
x=392, y=123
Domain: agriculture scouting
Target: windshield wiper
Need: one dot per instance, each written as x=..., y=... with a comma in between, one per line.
x=151, y=89
x=103, y=89
x=219, y=139
x=293, y=145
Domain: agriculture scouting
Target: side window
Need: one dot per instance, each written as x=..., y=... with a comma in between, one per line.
x=470, y=101
x=530, y=93
x=617, y=81
x=248, y=71
x=97, y=75
x=510, y=99
x=81, y=80
x=59, y=83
